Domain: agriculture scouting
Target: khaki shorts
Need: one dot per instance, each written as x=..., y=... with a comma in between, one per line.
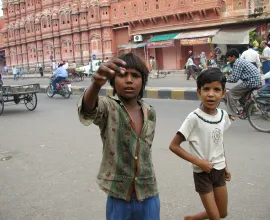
x=206, y=182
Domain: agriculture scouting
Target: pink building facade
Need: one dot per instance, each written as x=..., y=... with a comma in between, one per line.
x=74, y=30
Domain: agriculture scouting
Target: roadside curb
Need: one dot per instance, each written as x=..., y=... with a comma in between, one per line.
x=152, y=93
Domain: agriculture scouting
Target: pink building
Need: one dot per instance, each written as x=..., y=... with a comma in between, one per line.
x=38, y=31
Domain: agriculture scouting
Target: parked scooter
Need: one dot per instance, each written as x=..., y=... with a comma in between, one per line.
x=63, y=88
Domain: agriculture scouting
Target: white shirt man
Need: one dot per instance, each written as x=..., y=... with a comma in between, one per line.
x=266, y=53
x=251, y=56
x=66, y=65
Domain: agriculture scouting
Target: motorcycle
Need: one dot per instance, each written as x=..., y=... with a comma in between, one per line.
x=63, y=88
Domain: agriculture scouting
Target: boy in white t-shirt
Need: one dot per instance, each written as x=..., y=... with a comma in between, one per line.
x=204, y=129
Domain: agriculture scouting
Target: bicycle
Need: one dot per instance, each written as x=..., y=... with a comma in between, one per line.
x=159, y=74
x=255, y=108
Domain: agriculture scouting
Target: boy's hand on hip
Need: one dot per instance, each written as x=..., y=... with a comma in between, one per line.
x=206, y=166
x=108, y=70
x=227, y=174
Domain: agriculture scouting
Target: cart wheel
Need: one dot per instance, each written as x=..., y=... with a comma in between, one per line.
x=1, y=105
x=30, y=101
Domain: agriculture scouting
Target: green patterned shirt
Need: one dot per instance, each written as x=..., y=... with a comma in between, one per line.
x=127, y=159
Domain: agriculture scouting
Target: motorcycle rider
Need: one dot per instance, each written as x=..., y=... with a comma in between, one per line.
x=59, y=75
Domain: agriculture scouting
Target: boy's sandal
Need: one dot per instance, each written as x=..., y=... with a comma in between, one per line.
x=233, y=118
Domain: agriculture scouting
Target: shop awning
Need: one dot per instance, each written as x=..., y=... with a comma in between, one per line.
x=197, y=34
x=127, y=46
x=233, y=36
x=163, y=37
x=141, y=45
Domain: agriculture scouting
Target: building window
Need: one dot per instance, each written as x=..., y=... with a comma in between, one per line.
x=157, y=4
x=125, y=10
x=135, y=8
x=145, y=6
x=115, y=13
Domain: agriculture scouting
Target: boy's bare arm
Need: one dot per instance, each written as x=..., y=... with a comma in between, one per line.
x=104, y=73
x=179, y=151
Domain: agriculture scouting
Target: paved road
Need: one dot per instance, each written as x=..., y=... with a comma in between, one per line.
x=51, y=175
x=171, y=80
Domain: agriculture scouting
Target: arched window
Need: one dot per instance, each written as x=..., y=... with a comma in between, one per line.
x=92, y=12
x=145, y=5
x=63, y=18
x=48, y=49
x=44, y=22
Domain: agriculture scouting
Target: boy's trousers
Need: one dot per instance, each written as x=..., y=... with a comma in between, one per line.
x=119, y=209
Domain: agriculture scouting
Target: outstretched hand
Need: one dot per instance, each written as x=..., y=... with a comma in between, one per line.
x=108, y=70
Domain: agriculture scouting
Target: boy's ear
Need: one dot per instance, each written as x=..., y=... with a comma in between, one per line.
x=199, y=92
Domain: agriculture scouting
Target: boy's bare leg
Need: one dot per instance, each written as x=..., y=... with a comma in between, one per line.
x=215, y=204
x=221, y=197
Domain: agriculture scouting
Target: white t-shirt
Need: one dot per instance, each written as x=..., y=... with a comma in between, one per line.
x=266, y=52
x=190, y=62
x=251, y=56
x=205, y=135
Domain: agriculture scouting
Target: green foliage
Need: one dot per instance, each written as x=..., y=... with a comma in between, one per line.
x=253, y=36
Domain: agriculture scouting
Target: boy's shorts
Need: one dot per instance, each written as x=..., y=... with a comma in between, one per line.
x=205, y=182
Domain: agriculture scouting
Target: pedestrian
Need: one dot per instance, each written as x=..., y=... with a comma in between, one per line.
x=251, y=56
x=265, y=59
x=127, y=126
x=154, y=66
x=6, y=70
x=203, y=60
x=40, y=69
x=66, y=65
x=265, y=89
x=14, y=71
x=203, y=129
x=190, y=67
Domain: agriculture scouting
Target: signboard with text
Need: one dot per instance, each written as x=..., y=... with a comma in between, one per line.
x=196, y=41
x=160, y=44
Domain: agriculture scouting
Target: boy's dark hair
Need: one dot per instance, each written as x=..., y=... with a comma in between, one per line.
x=134, y=62
x=233, y=52
x=211, y=75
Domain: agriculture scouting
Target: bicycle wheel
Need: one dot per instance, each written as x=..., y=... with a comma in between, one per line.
x=258, y=114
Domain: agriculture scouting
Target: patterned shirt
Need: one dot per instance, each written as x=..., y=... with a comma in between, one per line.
x=127, y=161
x=247, y=72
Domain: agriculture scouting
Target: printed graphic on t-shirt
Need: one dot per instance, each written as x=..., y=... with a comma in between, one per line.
x=217, y=135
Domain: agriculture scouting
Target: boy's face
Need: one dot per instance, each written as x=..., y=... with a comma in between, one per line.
x=231, y=59
x=128, y=85
x=211, y=95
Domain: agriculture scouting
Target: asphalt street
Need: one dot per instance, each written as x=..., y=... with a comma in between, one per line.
x=171, y=80
x=49, y=161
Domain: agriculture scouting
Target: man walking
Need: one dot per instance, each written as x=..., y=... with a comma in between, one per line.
x=265, y=59
x=251, y=56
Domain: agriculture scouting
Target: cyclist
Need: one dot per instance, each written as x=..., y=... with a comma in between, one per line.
x=241, y=70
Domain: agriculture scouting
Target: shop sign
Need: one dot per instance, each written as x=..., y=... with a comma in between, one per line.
x=160, y=44
x=196, y=41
